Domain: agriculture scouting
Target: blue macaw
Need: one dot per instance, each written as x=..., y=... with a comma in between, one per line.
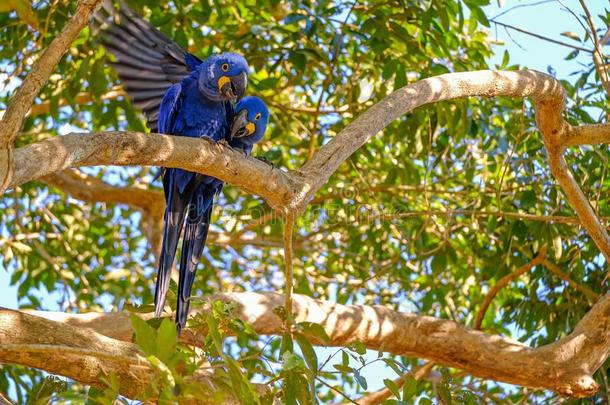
x=182, y=95
x=248, y=127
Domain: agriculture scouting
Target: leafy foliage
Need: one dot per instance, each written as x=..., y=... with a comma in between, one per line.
x=416, y=220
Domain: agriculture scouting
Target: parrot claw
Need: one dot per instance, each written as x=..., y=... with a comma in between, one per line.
x=223, y=142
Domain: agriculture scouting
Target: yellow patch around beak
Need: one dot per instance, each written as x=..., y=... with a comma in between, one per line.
x=250, y=127
x=222, y=81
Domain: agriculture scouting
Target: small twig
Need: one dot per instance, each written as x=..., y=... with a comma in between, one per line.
x=289, y=282
x=540, y=257
x=520, y=6
x=338, y=391
x=526, y=32
x=378, y=397
x=553, y=268
x=329, y=358
x=598, y=56
x=4, y=400
x=559, y=219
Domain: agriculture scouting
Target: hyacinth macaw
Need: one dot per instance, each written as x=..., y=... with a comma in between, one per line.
x=182, y=95
x=248, y=127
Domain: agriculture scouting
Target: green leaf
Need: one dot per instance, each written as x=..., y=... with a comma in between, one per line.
x=139, y=309
x=342, y=368
x=314, y=330
x=401, y=77
x=308, y=352
x=409, y=388
x=164, y=371
x=572, y=54
x=344, y=358
x=287, y=344
x=214, y=333
x=571, y=35
x=360, y=380
x=505, y=59
x=167, y=339
x=391, y=385
x=357, y=347
x=23, y=8
x=394, y=366
x=291, y=361
x=445, y=393
x=145, y=335
x=479, y=15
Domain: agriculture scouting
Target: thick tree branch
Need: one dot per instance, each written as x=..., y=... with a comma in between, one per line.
x=587, y=135
x=77, y=353
x=83, y=354
x=287, y=191
x=565, y=366
x=444, y=87
x=134, y=148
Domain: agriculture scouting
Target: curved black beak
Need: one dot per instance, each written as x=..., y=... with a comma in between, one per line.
x=235, y=87
x=241, y=126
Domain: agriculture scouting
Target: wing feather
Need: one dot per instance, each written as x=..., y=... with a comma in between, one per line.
x=168, y=109
x=147, y=62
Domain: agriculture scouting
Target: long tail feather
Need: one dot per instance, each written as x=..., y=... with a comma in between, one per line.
x=195, y=235
x=174, y=220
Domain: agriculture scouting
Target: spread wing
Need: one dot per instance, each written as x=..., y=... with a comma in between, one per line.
x=147, y=62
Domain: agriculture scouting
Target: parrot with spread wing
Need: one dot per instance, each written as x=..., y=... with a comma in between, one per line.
x=181, y=94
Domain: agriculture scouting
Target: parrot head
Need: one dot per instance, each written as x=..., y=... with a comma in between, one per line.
x=224, y=77
x=250, y=122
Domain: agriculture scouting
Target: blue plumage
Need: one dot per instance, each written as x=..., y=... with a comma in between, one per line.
x=198, y=106
x=248, y=127
x=182, y=95
x=249, y=123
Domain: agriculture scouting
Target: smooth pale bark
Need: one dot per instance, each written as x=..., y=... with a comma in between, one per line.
x=292, y=191
x=565, y=366
x=71, y=349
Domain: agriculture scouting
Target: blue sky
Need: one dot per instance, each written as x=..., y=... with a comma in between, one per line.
x=548, y=19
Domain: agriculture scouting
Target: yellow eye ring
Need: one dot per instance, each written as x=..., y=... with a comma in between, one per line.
x=225, y=67
x=257, y=116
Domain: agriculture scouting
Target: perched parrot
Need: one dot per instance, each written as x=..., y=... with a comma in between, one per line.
x=248, y=127
x=182, y=95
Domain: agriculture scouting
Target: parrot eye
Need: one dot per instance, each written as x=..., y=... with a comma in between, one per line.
x=257, y=116
x=225, y=67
